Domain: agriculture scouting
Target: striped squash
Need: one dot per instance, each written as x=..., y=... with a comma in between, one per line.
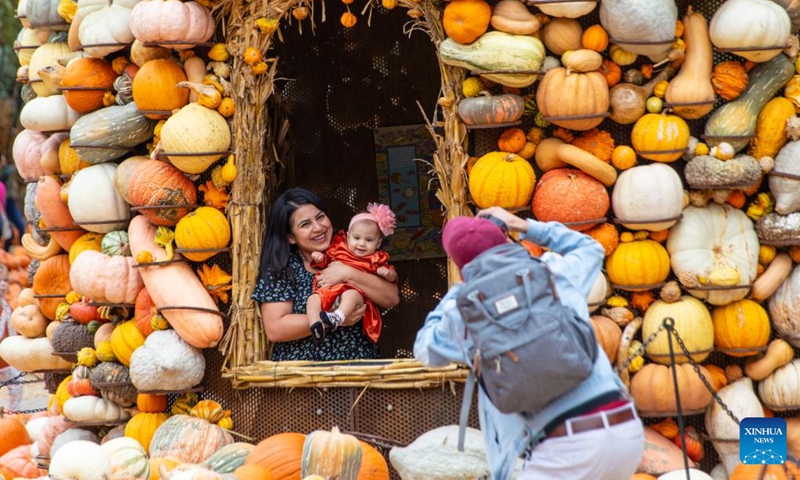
x=228, y=458
x=189, y=439
x=127, y=457
x=500, y=52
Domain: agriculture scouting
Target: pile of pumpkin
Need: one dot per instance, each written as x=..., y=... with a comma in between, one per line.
x=122, y=114
x=184, y=444
x=723, y=234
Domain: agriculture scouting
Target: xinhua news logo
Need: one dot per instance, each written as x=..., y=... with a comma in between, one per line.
x=762, y=441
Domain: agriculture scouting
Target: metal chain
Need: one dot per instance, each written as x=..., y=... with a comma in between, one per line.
x=16, y=381
x=668, y=324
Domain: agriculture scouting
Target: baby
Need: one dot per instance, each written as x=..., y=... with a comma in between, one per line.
x=329, y=306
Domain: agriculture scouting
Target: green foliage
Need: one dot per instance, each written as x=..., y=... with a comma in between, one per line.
x=9, y=28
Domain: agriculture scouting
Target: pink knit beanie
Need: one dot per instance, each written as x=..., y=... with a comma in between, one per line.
x=464, y=238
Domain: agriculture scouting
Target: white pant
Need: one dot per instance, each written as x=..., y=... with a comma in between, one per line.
x=609, y=453
x=14, y=390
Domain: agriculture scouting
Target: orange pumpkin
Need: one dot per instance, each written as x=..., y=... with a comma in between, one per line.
x=52, y=278
x=154, y=88
x=19, y=463
x=718, y=378
x=151, y=403
x=55, y=213
x=143, y=312
x=568, y=195
x=14, y=434
x=373, y=465
x=642, y=476
x=92, y=78
x=501, y=179
x=786, y=471
x=611, y=72
x=159, y=184
x=252, y=472
x=606, y=235
x=578, y=101
x=280, y=454
x=511, y=140
x=653, y=391
x=608, y=335
x=466, y=20
x=694, y=446
x=595, y=38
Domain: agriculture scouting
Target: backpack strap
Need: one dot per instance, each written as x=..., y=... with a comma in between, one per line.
x=466, y=402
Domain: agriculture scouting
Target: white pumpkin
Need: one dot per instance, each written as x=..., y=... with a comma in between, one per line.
x=567, y=9
x=646, y=193
x=750, y=24
x=28, y=40
x=31, y=354
x=22, y=14
x=195, y=128
x=641, y=21
x=601, y=290
x=46, y=55
x=718, y=472
x=742, y=401
x=784, y=308
x=34, y=428
x=94, y=409
x=193, y=473
x=93, y=198
x=70, y=435
x=29, y=321
x=786, y=190
x=434, y=456
x=166, y=362
x=715, y=246
x=48, y=114
x=781, y=389
x=108, y=24
x=80, y=460
x=127, y=457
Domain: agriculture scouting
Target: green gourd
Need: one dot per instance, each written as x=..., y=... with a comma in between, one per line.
x=738, y=118
x=497, y=51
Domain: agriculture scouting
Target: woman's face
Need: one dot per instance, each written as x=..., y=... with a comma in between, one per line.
x=311, y=229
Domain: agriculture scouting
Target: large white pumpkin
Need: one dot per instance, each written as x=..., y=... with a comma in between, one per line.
x=646, y=193
x=601, y=290
x=94, y=409
x=46, y=55
x=106, y=25
x=786, y=190
x=743, y=402
x=80, y=460
x=48, y=114
x=31, y=354
x=93, y=198
x=781, y=389
x=641, y=21
x=714, y=247
x=784, y=308
x=750, y=24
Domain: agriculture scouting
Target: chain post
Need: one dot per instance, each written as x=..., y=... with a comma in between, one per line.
x=669, y=325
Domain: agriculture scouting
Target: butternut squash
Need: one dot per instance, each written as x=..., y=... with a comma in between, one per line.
x=546, y=155
x=175, y=284
x=511, y=16
x=688, y=91
x=54, y=213
x=588, y=163
x=738, y=118
x=769, y=281
x=195, y=68
x=779, y=353
x=771, y=128
x=582, y=60
x=39, y=252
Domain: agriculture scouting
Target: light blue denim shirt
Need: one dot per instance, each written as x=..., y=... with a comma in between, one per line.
x=442, y=341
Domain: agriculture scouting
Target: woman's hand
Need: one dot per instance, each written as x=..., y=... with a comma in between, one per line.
x=513, y=222
x=334, y=274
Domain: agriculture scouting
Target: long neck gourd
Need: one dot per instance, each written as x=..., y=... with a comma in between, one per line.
x=735, y=122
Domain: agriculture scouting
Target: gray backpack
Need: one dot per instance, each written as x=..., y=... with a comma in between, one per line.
x=528, y=348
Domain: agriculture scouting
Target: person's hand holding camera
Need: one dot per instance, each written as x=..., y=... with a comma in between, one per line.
x=513, y=222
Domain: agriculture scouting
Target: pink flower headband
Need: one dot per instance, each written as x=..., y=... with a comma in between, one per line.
x=380, y=214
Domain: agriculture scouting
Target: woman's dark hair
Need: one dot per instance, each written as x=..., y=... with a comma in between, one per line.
x=277, y=249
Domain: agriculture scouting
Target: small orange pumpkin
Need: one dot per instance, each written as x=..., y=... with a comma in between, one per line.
x=611, y=72
x=511, y=140
x=155, y=89
x=595, y=38
x=348, y=20
x=606, y=235
x=466, y=20
x=729, y=79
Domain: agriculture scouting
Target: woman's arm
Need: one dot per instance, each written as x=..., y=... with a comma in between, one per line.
x=382, y=293
x=280, y=324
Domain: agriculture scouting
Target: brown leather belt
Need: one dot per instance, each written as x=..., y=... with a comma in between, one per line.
x=595, y=421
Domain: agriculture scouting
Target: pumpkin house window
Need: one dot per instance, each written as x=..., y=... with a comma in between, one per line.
x=338, y=86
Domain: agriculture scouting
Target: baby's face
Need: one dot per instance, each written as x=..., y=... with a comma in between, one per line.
x=363, y=238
